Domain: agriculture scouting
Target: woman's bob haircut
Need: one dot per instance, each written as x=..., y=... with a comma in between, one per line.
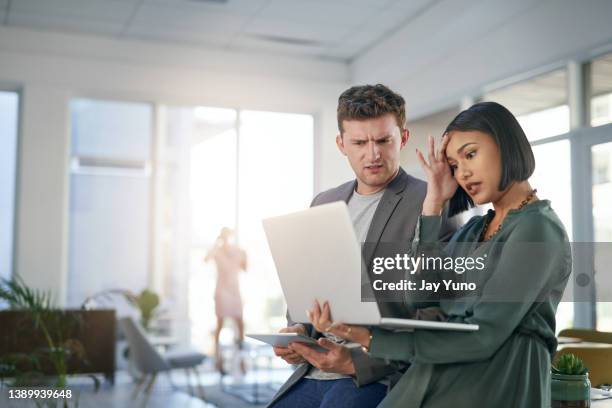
x=517, y=159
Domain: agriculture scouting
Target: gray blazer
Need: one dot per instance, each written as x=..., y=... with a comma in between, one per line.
x=394, y=220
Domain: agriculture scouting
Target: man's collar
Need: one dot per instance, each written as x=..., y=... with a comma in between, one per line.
x=395, y=186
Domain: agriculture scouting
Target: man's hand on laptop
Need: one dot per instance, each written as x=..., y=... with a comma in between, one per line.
x=287, y=354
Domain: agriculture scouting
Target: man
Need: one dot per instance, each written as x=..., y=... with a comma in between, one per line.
x=384, y=204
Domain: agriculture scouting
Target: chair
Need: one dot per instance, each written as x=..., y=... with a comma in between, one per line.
x=593, y=336
x=151, y=362
x=595, y=351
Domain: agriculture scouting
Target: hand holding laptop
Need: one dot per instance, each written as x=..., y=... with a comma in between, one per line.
x=320, y=317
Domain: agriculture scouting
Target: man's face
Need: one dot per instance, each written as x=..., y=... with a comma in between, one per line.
x=372, y=147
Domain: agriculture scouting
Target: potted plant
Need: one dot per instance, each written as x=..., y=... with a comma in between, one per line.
x=53, y=324
x=570, y=383
x=147, y=303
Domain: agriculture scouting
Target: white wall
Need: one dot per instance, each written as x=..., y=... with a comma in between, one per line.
x=419, y=129
x=51, y=68
x=42, y=189
x=458, y=46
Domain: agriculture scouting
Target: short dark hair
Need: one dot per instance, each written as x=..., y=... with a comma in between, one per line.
x=370, y=102
x=517, y=160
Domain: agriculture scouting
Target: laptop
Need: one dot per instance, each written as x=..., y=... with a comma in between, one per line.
x=317, y=256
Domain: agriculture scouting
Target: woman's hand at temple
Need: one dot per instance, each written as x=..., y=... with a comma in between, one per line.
x=320, y=317
x=441, y=185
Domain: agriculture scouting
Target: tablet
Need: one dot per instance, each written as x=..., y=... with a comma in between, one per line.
x=283, y=340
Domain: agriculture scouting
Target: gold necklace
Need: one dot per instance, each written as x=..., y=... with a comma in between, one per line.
x=523, y=203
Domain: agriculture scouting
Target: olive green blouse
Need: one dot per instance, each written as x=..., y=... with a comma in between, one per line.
x=506, y=363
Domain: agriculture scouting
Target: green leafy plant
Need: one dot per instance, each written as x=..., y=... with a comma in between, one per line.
x=10, y=368
x=147, y=302
x=53, y=324
x=569, y=364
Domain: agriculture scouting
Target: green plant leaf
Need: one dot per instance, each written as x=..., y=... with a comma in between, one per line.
x=569, y=364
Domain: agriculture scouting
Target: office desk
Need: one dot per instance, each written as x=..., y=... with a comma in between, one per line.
x=602, y=403
x=568, y=340
x=584, y=344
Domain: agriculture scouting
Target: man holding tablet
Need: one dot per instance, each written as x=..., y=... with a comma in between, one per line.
x=384, y=204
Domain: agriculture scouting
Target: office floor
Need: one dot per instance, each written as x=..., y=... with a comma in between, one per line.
x=164, y=395
x=179, y=393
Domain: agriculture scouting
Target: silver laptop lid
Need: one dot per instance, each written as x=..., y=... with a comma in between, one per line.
x=317, y=257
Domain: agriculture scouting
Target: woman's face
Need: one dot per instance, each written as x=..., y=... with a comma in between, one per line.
x=476, y=162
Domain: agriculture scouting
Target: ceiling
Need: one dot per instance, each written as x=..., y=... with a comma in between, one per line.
x=328, y=29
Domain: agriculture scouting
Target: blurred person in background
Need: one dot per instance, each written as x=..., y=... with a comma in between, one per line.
x=230, y=259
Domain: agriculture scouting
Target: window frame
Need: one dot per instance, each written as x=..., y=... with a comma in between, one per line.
x=18, y=91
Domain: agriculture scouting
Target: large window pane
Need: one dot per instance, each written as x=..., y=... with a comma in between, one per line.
x=8, y=160
x=540, y=104
x=601, y=90
x=110, y=191
x=213, y=173
x=552, y=177
x=207, y=145
x=219, y=172
x=275, y=177
x=601, y=158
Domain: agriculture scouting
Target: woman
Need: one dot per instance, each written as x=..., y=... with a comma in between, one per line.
x=230, y=260
x=484, y=158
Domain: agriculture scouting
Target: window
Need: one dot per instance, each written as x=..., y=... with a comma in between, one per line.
x=109, y=197
x=199, y=194
x=601, y=90
x=9, y=102
x=275, y=177
x=553, y=179
x=539, y=104
x=602, y=228
x=242, y=166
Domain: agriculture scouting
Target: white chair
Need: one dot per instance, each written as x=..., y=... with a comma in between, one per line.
x=149, y=361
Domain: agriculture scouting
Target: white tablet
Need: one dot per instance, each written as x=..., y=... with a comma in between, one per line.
x=283, y=340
